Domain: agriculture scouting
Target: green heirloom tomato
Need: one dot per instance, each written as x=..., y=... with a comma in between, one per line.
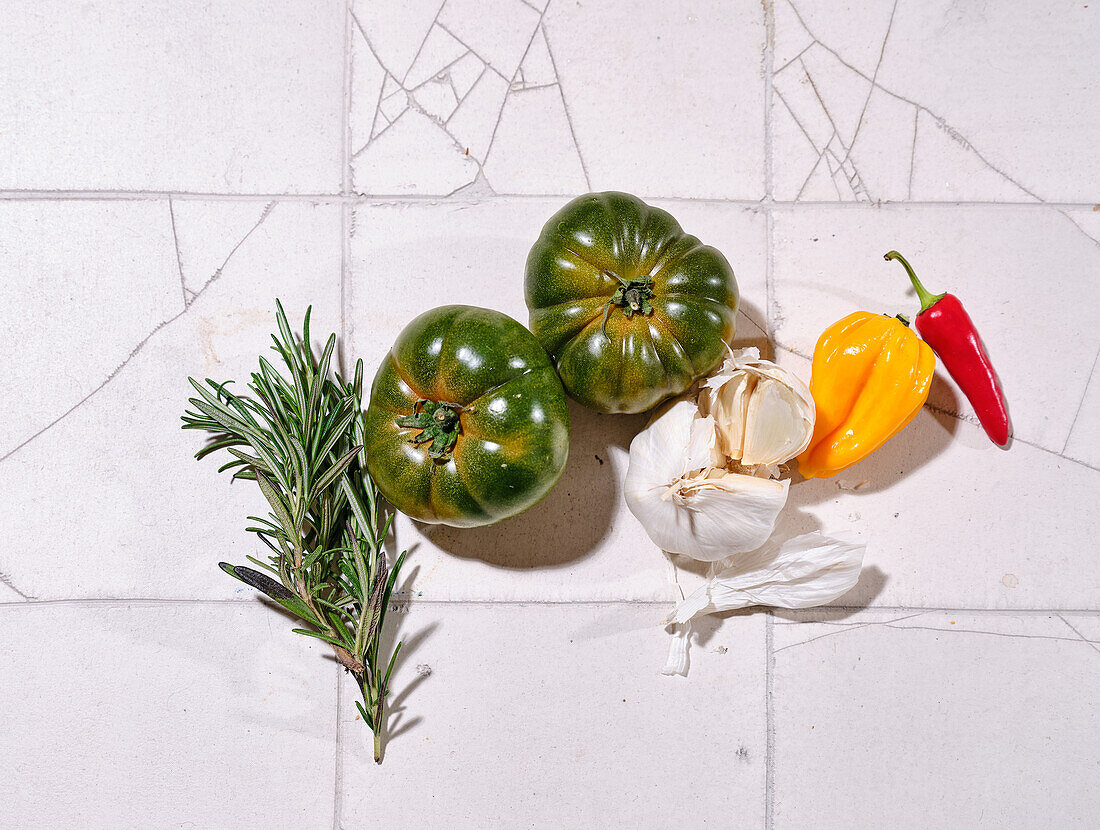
x=631, y=309
x=467, y=422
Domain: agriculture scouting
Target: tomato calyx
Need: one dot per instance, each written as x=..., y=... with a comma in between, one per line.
x=438, y=423
x=632, y=296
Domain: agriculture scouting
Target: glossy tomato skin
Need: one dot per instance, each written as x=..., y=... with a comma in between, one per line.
x=514, y=419
x=635, y=362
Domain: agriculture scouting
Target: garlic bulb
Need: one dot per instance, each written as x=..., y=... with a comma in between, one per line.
x=701, y=477
x=685, y=502
x=764, y=414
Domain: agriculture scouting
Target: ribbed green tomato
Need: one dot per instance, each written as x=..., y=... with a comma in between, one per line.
x=631, y=309
x=467, y=422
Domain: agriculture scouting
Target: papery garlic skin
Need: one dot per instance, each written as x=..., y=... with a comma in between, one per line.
x=764, y=414
x=686, y=504
x=807, y=571
x=804, y=572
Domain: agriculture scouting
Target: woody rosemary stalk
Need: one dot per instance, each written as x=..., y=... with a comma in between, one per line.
x=299, y=436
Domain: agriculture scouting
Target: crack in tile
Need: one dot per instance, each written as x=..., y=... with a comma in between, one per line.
x=6, y=580
x=374, y=121
x=179, y=261
x=538, y=28
x=779, y=95
x=468, y=91
x=955, y=630
x=1073, y=628
x=378, y=60
x=1092, y=238
x=476, y=190
x=813, y=169
x=380, y=133
x=427, y=34
x=893, y=624
x=564, y=103
x=141, y=344
x=533, y=87
x=440, y=72
x=913, y=152
x=874, y=78
x=797, y=57
x=849, y=627
x=830, y=157
x=1081, y=403
x=477, y=54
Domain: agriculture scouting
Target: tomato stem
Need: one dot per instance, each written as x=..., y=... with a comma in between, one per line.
x=632, y=296
x=437, y=424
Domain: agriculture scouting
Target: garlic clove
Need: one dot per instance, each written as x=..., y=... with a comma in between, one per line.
x=729, y=406
x=701, y=446
x=726, y=515
x=778, y=424
x=764, y=415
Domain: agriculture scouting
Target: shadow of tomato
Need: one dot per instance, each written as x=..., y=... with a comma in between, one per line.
x=573, y=519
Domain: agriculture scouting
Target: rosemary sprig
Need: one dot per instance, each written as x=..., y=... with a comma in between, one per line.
x=299, y=436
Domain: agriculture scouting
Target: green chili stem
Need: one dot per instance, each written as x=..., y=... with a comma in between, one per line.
x=927, y=298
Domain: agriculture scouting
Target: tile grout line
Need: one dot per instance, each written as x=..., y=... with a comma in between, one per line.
x=338, y=760
x=769, y=177
x=769, y=94
x=345, y=192
x=457, y=199
x=403, y=604
x=769, y=722
x=345, y=113
x=769, y=322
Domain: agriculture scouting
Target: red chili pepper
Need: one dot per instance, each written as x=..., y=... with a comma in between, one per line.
x=948, y=329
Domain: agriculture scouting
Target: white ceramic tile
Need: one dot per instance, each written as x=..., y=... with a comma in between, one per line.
x=105, y=498
x=581, y=542
x=157, y=716
x=933, y=721
x=547, y=90
x=674, y=109
x=937, y=102
x=557, y=716
x=1019, y=272
x=229, y=98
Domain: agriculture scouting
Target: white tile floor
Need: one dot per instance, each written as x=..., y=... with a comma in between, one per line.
x=167, y=170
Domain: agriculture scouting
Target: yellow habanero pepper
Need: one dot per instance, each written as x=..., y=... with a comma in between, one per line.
x=870, y=377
